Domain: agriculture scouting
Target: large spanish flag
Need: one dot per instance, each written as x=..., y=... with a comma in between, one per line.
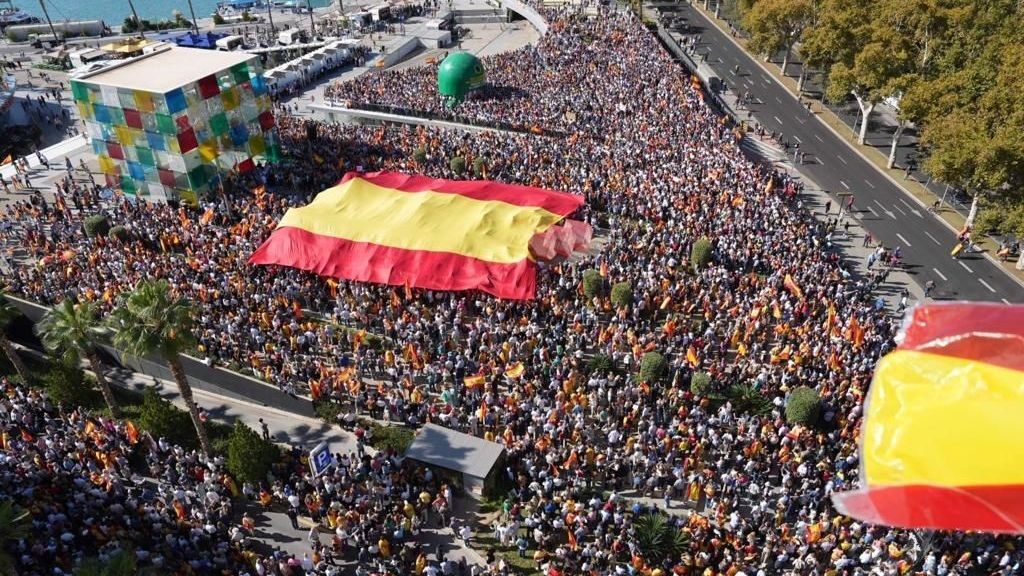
x=942, y=443
x=401, y=229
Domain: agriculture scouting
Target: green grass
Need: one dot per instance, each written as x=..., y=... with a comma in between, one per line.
x=484, y=541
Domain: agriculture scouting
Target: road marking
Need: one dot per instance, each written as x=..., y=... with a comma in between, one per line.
x=941, y=275
x=841, y=159
x=868, y=182
x=900, y=209
x=909, y=207
x=880, y=205
x=933, y=238
x=819, y=138
x=777, y=120
x=798, y=120
x=797, y=138
x=966, y=267
x=873, y=212
x=898, y=235
x=766, y=79
x=844, y=184
x=985, y=284
x=1005, y=301
x=777, y=100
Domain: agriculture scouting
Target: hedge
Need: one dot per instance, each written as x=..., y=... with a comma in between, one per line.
x=592, y=283
x=96, y=225
x=700, y=384
x=458, y=165
x=249, y=456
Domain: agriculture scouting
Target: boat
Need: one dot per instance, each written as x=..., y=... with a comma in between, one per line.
x=15, y=16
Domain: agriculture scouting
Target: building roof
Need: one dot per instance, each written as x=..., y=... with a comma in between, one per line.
x=163, y=71
x=446, y=448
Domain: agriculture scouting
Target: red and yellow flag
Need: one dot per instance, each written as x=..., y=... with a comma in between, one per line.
x=132, y=432
x=394, y=228
x=516, y=370
x=941, y=441
x=792, y=286
x=474, y=381
x=572, y=539
x=691, y=356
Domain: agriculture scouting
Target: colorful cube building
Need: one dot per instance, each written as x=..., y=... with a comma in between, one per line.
x=169, y=124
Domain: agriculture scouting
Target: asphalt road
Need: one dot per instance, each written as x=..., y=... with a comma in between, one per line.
x=885, y=210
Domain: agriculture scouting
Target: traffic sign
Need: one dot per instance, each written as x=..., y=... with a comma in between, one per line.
x=320, y=459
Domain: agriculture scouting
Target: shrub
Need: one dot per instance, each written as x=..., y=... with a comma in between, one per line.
x=652, y=367
x=395, y=438
x=622, y=294
x=700, y=253
x=96, y=225
x=65, y=382
x=419, y=155
x=601, y=363
x=161, y=419
x=120, y=233
x=249, y=456
x=218, y=19
x=700, y=383
x=803, y=406
x=326, y=410
x=458, y=165
x=592, y=283
x=479, y=165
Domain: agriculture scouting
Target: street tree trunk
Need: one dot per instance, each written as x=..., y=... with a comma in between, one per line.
x=800, y=81
x=785, y=60
x=1020, y=261
x=866, y=108
x=174, y=363
x=973, y=211
x=895, y=143
x=16, y=361
x=101, y=380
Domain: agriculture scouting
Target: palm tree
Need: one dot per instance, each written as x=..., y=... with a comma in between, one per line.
x=658, y=538
x=7, y=315
x=76, y=330
x=14, y=525
x=150, y=319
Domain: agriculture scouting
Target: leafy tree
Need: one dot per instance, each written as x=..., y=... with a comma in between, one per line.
x=458, y=165
x=658, y=538
x=249, y=456
x=76, y=331
x=479, y=166
x=700, y=383
x=391, y=438
x=622, y=294
x=746, y=398
x=119, y=233
x=96, y=225
x=775, y=25
x=161, y=419
x=150, y=319
x=419, y=155
x=803, y=406
x=8, y=313
x=700, y=253
x=15, y=524
x=592, y=283
x=652, y=367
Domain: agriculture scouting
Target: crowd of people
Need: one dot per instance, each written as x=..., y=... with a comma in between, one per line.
x=776, y=308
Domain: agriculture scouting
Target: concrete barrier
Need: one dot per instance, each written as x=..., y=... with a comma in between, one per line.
x=531, y=15
x=208, y=378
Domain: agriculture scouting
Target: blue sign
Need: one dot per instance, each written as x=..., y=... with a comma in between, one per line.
x=320, y=459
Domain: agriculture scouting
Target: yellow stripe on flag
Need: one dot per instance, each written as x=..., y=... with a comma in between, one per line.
x=360, y=211
x=944, y=421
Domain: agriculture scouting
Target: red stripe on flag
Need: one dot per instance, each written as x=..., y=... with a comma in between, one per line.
x=365, y=262
x=983, y=508
x=984, y=332
x=560, y=203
